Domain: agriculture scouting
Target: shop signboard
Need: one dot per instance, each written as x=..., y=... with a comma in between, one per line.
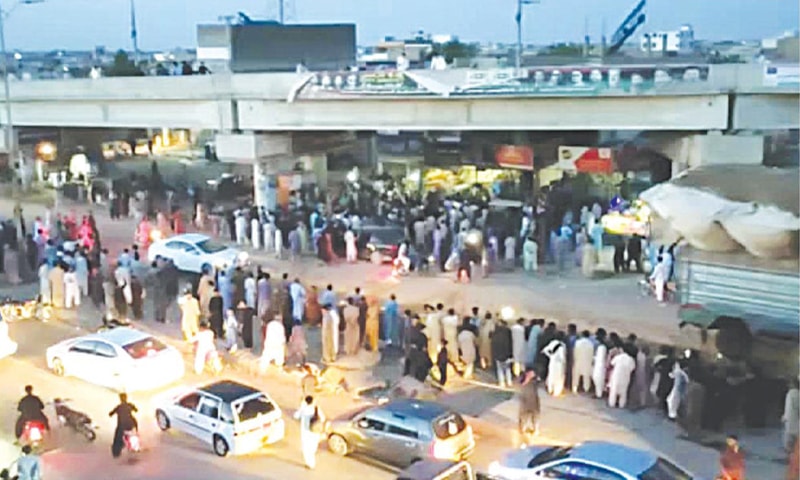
x=586, y=159
x=519, y=157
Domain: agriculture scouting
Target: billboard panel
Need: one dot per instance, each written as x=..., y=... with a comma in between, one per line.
x=272, y=47
x=514, y=156
x=586, y=159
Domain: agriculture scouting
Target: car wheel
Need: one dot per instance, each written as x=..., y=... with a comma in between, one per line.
x=162, y=420
x=58, y=367
x=338, y=445
x=220, y=446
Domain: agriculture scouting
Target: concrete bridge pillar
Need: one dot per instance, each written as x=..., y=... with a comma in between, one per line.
x=712, y=148
x=270, y=156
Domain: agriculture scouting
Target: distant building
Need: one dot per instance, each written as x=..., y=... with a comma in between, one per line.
x=669, y=43
x=783, y=47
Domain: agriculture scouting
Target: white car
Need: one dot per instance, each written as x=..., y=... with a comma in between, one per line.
x=123, y=359
x=589, y=460
x=226, y=415
x=194, y=252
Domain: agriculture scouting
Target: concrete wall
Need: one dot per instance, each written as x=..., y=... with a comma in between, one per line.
x=766, y=112
x=688, y=112
x=688, y=151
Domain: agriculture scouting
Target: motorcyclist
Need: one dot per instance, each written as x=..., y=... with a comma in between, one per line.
x=30, y=408
x=125, y=422
x=29, y=467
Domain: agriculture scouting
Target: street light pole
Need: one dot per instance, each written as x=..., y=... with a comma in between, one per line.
x=518, y=18
x=11, y=144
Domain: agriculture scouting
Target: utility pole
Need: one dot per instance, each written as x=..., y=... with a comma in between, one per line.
x=134, y=34
x=520, y=3
x=281, y=16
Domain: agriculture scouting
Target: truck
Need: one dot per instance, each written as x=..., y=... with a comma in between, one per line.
x=745, y=307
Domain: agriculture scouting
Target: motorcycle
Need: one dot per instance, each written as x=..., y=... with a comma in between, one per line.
x=400, y=267
x=131, y=440
x=32, y=433
x=77, y=421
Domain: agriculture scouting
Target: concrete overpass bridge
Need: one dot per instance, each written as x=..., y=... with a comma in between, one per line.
x=717, y=97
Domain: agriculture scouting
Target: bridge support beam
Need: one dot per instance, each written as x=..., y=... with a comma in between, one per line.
x=713, y=148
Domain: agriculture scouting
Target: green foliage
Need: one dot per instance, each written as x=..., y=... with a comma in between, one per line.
x=563, y=49
x=455, y=49
x=123, y=66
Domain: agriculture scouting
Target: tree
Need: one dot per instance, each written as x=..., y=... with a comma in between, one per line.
x=455, y=49
x=563, y=49
x=123, y=66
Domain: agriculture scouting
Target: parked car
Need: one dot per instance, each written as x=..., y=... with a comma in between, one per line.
x=194, y=252
x=609, y=461
x=123, y=359
x=379, y=244
x=403, y=432
x=228, y=416
x=441, y=470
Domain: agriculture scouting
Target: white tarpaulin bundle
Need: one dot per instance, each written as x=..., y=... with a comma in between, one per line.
x=727, y=208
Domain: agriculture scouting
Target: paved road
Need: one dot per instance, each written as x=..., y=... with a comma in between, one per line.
x=170, y=456
x=167, y=456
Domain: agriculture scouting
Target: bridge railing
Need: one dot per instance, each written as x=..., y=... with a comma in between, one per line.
x=576, y=81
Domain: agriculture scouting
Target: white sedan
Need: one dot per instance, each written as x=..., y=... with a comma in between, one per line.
x=194, y=252
x=123, y=359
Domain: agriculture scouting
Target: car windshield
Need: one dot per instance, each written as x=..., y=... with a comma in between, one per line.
x=144, y=348
x=546, y=456
x=208, y=246
x=448, y=426
x=664, y=470
x=254, y=407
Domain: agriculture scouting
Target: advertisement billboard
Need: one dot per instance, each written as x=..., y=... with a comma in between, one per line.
x=272, y=47
x=586, y=159
x=519, y=157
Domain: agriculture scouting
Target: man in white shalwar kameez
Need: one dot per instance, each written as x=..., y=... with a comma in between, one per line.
x=255, y=232
x=298, y=294
x=72, y=291
x=250, y=291
x=659, y=278
x=82, y=272
x=350, y=246
x=556, y=351
x=518, y=347
x=433, y=330
x=599, y=369
x=240, y=227
x=44, y=283
x=582, y=355
x=622, y=367
x=309, y=439
x=269, y=236
x=278, y=243
x=274, y=344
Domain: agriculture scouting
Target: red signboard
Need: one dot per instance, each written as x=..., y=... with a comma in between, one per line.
x=514, y=156
x=586, y=159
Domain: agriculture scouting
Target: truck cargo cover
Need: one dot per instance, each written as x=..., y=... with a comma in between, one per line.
x=727, y=208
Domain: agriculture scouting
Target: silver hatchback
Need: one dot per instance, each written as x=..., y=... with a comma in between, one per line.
x=403, y=432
